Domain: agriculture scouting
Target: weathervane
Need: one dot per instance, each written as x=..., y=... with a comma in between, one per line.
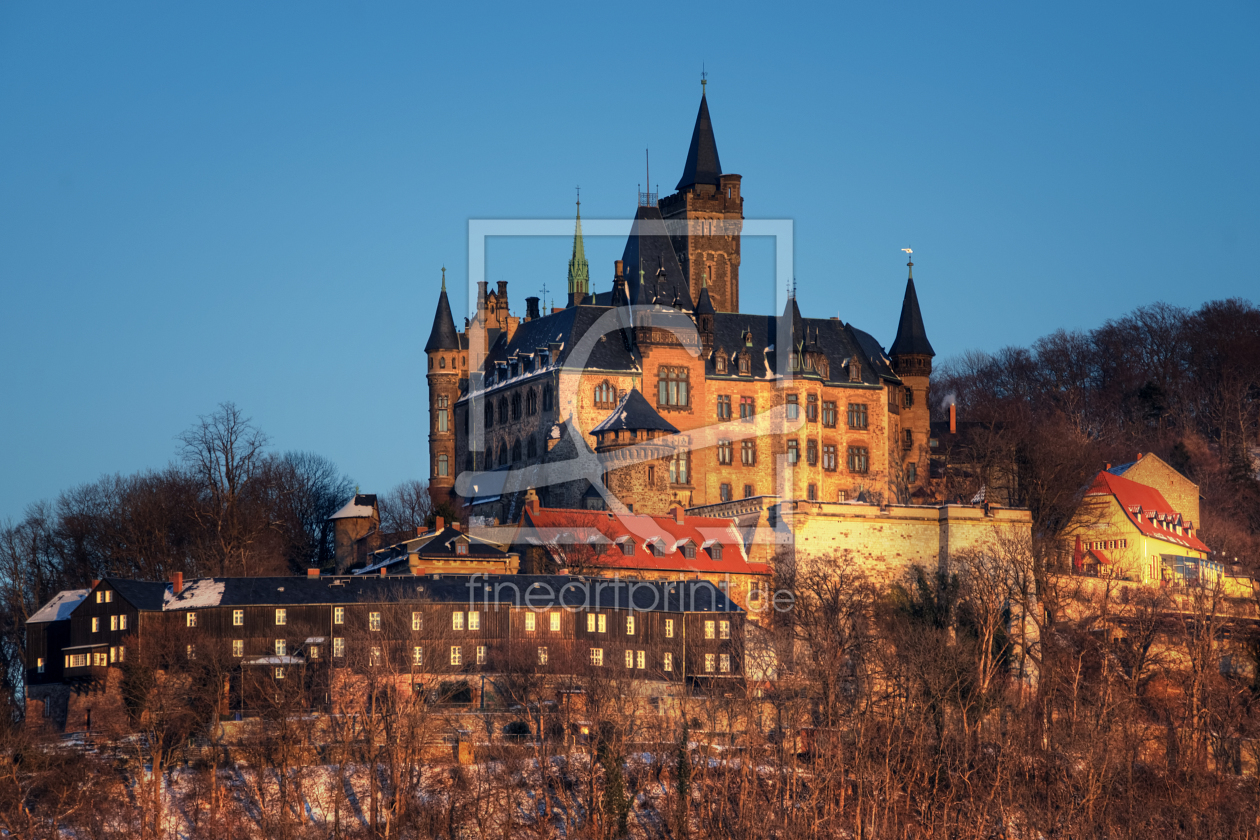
x=704, y=78
x=910, y=257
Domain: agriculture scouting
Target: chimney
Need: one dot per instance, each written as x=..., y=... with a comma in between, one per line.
x=678, y=513
x=619, y=269
x=1078, y=555
x=457, y=525
x=1138, y=458
x=177, y=583
x=953, y=419
x=419, y=530
x=556, y=309
x=96, y=583
x=1107, y=466
x=531, y=500
x=531, y=308
x=439, y=524
x=384, y=571
x=503, y=304
x=312, y=573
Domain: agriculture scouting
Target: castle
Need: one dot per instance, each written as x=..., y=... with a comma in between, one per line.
x=660, y=392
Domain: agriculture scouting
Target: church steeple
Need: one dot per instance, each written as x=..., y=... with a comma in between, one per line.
x=443, y=335
x=703, y=166
x=911, y=337
x=579, y=269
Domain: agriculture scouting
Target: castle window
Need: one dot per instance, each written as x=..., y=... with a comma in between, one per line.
x=719, y=363
x=907, y=398
x=745, y=361
x=651, y=474
x=859, y=459
x=531, y=402
x=532, y=448
x=912, y=473
x=829, y=414
x=747, y=409
x=829, y=457
x=909, y=436
x=811, y=408
x=812, y=493
x=724, y=407
x=855, y=370
x=516, y=406
x=724, y=492
x=503, y=409
x=842, y=496
x=680, y=468
x=430, y=363
x=811, y=452
x=546, y=398
x=489, y=415
x=793, y=406
x=724, y=452
x=605, y=395
x=748, y=491
x=443, y=466
x=793, y=452
x=516, y=451
x=672, y=386
x=824, y=369
x=748, y=453
x=443, y=414
x=442, y=362
x=857, y=416
x=793, y=361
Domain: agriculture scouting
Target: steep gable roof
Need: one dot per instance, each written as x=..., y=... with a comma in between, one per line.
x=59, y=606
x=1145, y=506
x=443, y=336
x=703, y=166
x=653, y=272
x=634, y=412
x=911, y=336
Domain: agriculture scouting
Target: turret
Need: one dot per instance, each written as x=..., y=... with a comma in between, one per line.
x=636, y=462
x=579, y=269
x=911, y=354
x=447, y=365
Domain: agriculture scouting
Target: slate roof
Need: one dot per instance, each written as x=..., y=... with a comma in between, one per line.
x=649, y=249
x=634, y=412
x=704, y=306
x=141, y=594
x=703, y=166
x=435, y=545
x=443, y=335
x=838, y=342
x=59, y=606
x=566, y=327
x=544, y=591
x=911, y=336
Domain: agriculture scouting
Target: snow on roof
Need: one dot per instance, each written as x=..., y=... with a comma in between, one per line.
x=202, y=592
x=356, y=508
x=60, y=606
x=276, y=660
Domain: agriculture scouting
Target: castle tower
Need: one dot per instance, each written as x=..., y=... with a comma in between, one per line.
x=444, y=352
x=911, y=355
x=579, y=269
x=705, y=217
x=636, y=464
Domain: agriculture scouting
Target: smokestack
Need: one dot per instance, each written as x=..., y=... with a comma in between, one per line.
x=531, y=308
x=439, y=524
x=953, y=419
x=177, y=583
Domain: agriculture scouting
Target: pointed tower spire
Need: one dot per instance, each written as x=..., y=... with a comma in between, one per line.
x=579, y=269
x=911, y=338
x=443, y=335
x=703, y=166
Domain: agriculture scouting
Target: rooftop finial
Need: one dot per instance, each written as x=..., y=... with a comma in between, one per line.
x=579, y=198
x=444, y=278
x=704, y=78
x=910, y=264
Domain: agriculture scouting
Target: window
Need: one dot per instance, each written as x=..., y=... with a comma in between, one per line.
x=503, y=410
x=912, y=473
x=190, y=620
x=546, y=398
x=680, y=467
x=629, y=625
x=669, y=662
x=374, y=621
x=339, y=648
x=542, y=656
x=603, y=623
x=443, y=465
x=857, y=416
x=489, y=412
x=709, y=661
x=689, y=551
x=829, y=414
x=907, y=398
x=627, y=548
x=658, y=550
x=747, y=409
x=748, y=491
x=672, y=386
x=100, y=597
x=745, y=364
x=724, y=407
x=190, y=652
x=719, y=363
x=279, y=672
x=39, y=665
x=238, y=618
x=282, y=647
x=339, y=615
x=457, y=621
x=531, y=402
x=715, y=551
x=724, y=452
x=282, y=616
x=597, y=656
x=829, y=457
x=793, y=452
x=417, y=621
x=859, y=459
x=531, y=448
x=811, y=408
x=669, y=628
x=724, y=629
x=605, y=395
x=793, y=407
x=481, y=654
x=629, y=659
x=531, y=622
x=811, y=493
x=113, y=622
x=748, y=452
x=516, y=406
x=651, y=475
x=374, y=656
x=109, y=596
x=811, y=452
x=724, y=492
x=710, y=629
x=590, y=622
x=474, y=620
x=457, y=655
x=461, y=548
x=855, y=370
x=122, y=622
x=908, y=441
x=555, y=622
x=443, y=414
x=313, y=651
x=724, y=663
x=842, y=496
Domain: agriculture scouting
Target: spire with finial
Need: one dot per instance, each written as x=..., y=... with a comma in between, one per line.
x=911, y=337
x=443, y=335
x=703, y=165
x=579, y=269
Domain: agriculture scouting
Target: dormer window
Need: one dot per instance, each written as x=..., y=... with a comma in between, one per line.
x=745, y=364
x=461, y=549
x=855, y=370
x=719, y=363
x=715, y=551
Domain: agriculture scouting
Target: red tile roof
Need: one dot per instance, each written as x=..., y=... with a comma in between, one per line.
x=556, y=528
x=1148, y=510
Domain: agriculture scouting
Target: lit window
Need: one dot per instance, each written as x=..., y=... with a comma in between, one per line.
x=724, y=629
x=457, y=655
x=629, y=659
x=282, y=647
x=113, y=622
x=100, y=597
x=531, y=622
x=724, y=663
x=474, y=620
x=416, y=621
x=122, y=653
x=457, y=621
x=542, y=656
x=313, y=651
x=238, y=647
x=374, y=621
x=109, y=596
x=339, y=648
x=39, y=665
x=640, y=659
x=629, y=625
x=238, y=618
x=597, y=656
x=669, y=662
x=122, y=622
x=417, y=655
x=603, y=623
x=590, y=622
x=710, y=661
x=481, y=654
x=339, y=615
x=710, y=630
x=190, y=652
x=190, y=619
x=669, y=628
x=555, y=622
x=282, y=616
x=279, y=672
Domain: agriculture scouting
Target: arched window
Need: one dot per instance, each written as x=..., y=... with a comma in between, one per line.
x=531, y=448
x=452, y=363
x=605, y=395
x=516, y=406
x=489, y=415
x=443, y=465
x=546, y=398
x=745, y=364
x=442, y=362
x=719, y=363
x=430, y=363
x=502, y=454
x=503, y=409
x=516, y=451
x=531, y=402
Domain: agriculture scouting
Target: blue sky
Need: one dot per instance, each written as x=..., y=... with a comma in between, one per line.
x=252, y=202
